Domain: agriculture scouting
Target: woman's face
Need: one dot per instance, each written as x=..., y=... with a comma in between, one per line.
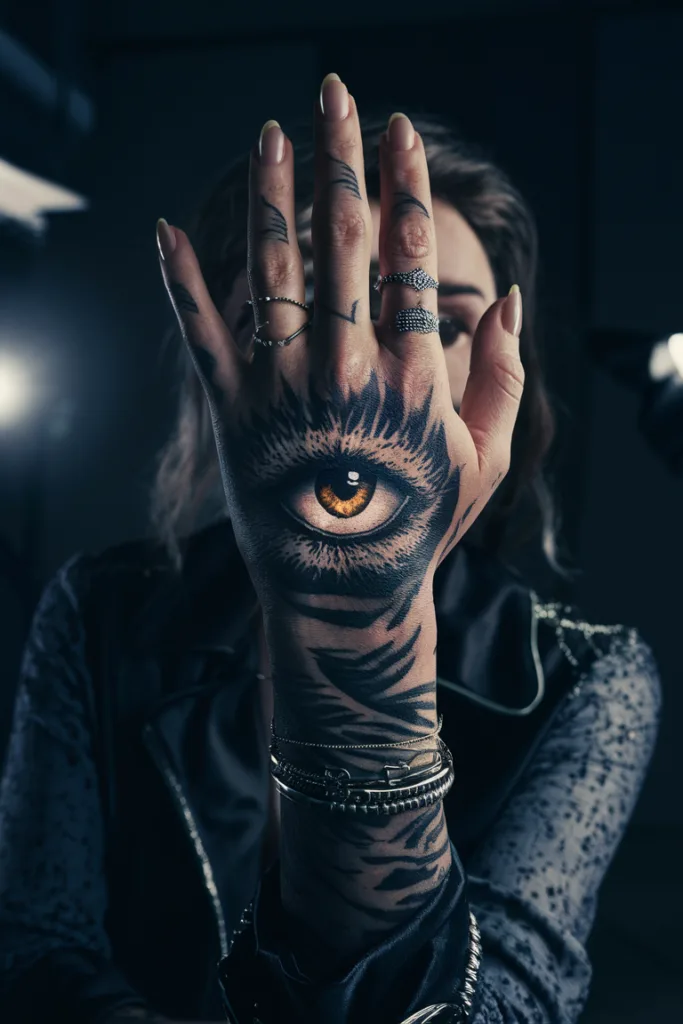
x=467, y=289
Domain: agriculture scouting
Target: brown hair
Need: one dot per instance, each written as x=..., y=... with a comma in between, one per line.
x=188, y=493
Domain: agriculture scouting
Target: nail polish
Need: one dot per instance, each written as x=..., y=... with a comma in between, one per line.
x=511, y=314
x=166, y=240
x=400, y=133
x=334, y=98
x=271, y=144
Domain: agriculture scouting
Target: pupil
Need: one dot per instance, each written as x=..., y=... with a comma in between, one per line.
x=343, y=483
x=344, y=492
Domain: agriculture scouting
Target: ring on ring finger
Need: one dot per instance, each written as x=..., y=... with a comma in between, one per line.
x=416, y=320
x=417, y=279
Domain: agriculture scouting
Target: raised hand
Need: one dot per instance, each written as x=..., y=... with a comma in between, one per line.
x=347, y=470
x=349, y=475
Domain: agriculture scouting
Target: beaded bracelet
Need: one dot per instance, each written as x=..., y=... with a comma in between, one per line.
x=338, y=791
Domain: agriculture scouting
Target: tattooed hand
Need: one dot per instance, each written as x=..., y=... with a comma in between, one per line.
x=347, y=471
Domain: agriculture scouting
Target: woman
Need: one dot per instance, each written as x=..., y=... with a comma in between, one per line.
x=150, y=682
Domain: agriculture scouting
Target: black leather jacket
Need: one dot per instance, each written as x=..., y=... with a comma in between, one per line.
x=138, y=749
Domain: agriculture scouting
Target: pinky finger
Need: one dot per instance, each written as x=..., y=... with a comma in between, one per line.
x=214, y=353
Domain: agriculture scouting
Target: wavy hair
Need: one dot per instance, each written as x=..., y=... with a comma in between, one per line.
x=187, y=492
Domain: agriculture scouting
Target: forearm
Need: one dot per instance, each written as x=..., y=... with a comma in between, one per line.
x=350, y=880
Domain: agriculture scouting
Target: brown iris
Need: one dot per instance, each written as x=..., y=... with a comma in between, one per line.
x=344, y=492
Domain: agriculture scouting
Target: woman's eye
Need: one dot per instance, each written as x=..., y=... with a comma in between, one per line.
x=345, y=501
x=450, y=329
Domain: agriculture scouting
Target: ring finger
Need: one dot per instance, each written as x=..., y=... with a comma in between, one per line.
x=274, y=264
x=407, y=244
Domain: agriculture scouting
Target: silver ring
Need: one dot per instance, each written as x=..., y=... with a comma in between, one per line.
x=418, y=279
x=269, y=342
x=277, y=298
x=417, y=320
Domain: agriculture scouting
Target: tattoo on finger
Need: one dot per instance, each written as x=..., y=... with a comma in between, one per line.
x=182, y=298
x=275, y=227
x=205, y=365
x=350, y=318
x=405, y=203
x=347, y=177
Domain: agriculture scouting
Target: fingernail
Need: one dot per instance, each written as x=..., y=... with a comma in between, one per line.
x=511, y=313
x=400, y=132
x=165, y=238
x=334, y=98
x=271, y=144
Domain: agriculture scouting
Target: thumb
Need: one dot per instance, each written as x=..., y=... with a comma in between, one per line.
x=495, y=384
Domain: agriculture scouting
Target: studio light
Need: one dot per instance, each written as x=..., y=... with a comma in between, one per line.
x=27, y=198
x=16, y=392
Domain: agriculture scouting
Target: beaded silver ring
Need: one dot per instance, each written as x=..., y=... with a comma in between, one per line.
x=417, y=279
x=416, y=320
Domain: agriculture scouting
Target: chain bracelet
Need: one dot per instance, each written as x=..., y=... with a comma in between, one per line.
x=355, y=746
x=393, y=774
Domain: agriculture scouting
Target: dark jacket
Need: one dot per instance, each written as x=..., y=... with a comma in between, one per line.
x=136, y=786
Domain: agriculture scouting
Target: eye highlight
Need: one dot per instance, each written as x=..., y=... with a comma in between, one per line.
x=344, y=501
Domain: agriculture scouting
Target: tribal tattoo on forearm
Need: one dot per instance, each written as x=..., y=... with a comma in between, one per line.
x=346, y=497
x=340, y=500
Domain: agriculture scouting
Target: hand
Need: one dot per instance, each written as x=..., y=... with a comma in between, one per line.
x=347, y=471
x=348, y=476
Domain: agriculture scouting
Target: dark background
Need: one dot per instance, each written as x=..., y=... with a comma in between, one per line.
x=580, y=103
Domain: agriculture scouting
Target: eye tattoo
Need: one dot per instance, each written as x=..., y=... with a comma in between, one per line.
x=352, y=492
x=276, y=224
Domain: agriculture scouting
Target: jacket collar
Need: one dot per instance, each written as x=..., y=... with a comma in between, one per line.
x=487, y=650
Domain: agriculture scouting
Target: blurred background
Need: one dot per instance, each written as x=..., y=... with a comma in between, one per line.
x=113, y=114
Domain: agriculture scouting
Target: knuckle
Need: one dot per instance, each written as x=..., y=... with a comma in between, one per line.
x=508, y=373
x=412, y=181
x=348, y=228
x=411, y=238
x=495, y=460
x=502, y=464
x=349, y=366
x=346, y=149
x=277, y=265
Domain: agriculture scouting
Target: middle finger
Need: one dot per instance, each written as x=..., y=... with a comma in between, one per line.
x=342, y=232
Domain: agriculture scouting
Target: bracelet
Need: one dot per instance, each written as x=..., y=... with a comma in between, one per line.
x=392, y=774
x=338, y=791
x=366, y=803
x=356, y=746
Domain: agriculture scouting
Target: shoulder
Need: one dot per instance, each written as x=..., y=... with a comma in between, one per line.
x=616, y=671
x=62, y=612
x=76, y=578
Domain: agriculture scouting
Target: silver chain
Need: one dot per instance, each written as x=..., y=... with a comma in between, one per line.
x=355, y=746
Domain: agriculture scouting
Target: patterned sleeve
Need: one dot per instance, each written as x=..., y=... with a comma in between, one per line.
x=52, y=891
x=54, y=950
x=534, y=883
